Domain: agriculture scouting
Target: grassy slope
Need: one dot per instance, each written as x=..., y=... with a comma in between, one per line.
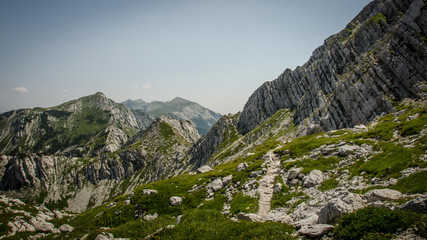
x=203, y=219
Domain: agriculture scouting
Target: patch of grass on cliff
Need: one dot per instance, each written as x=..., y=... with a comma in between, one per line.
x=372, y=220
x=391, y=161
x=205, y=224
x=281, y=199
x=308, y=164
x=329, y=184
x=415, y=183
x=242, y=203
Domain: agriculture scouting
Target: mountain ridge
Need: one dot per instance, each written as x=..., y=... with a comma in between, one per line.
x=178, y=108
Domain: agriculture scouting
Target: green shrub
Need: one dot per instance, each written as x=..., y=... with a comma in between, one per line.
x=371, y=220
x=415, y=183
x=329, y=184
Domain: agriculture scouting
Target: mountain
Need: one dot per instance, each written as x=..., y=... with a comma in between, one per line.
x=77, y=183
x=335, y=149
x=178, y=108
x=78, y=128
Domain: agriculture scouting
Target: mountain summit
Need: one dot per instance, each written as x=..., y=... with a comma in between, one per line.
x=177, y=108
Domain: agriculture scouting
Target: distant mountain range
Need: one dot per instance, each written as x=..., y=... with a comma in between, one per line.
x=178, y=108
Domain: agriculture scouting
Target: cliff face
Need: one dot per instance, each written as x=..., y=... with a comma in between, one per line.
x=355, y=75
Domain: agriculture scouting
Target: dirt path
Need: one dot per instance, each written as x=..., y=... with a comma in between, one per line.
x=266, y=184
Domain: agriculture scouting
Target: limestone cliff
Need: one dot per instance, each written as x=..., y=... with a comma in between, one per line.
x=380, y=57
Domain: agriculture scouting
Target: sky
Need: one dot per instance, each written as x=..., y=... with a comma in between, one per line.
x=215, y=53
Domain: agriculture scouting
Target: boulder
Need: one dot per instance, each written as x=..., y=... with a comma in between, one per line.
x=203, y=169
x=313, y=179
x=66, y=228
x=335, y=208
x=382, y=195
x=57, y=214
x=417, y=205
x=227, y=180
x=354, y=200
x=215, y=185
x=242, y=166
x=150, y=217
x=148, y=192
x=315, y=230
x=175, y=201
x=278, y=216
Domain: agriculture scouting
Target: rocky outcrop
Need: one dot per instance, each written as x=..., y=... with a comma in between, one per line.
x=355, y=75
x=222, y=131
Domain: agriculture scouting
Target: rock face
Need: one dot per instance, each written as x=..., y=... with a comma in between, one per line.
x=178, y=108
x=354, y=75
x=222, y=131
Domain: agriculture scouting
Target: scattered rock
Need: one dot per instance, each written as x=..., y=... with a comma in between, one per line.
x=150, y=217
x=313, y=179
x=203, y=169
x=382, y=195
x=66, y=228
x=310, y=220
x=175, y=201
x=215, y=185
x=335, y=208
x=242, y=166
x=57, y=214
x=178, y=219
x=227, y=180
x=278, y=216
x=315, y=230
x=148, y=192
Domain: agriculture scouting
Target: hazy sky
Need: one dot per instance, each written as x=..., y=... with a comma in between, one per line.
x=216, y=53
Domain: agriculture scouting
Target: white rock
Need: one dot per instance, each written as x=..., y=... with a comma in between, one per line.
x=57, y=214
x=310, y=220
x=315, y=230
x=215, y=185
x=227, y=180
x=175, y=201
x=278, y=216
x=149, y=191
x=242, y=166
x=150, y=217
x=203, y=169
x=313, y=179
x=178, y=219
x=418, y=205
x=335, y=208
x=382, y=195
x=66, y=228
